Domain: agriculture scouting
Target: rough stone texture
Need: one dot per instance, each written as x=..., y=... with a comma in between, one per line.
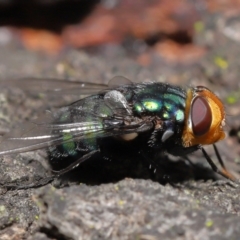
x=139, y=209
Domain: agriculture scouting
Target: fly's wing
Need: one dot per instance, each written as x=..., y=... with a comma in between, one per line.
x=118, y=81
x=51, y=85
x=45, y=93
x=61, y=86
x=93, y=117
x=55, y=92
x=33, y=136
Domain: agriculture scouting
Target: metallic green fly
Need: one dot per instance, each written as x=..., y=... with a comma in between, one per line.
x=124, y=117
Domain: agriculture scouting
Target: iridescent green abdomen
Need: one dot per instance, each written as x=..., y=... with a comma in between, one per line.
x=76, y=143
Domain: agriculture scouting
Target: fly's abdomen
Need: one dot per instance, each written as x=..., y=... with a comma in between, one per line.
x=83, y=123
x=63, y=155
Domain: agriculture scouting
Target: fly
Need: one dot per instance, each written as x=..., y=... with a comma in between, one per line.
x=148, y=118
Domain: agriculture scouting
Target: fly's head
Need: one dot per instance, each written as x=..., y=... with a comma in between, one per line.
x=205, y=118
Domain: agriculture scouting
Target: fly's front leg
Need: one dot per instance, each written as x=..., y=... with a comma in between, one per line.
x=223, y=172
x=159, y=165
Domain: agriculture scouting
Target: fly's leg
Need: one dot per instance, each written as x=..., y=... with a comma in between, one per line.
x=187, y=159
x=156, y=170
x=219, y=157
x=222, y=163
x=47, y=180
x=223, y=172
x=152, y=165
x=74, y=164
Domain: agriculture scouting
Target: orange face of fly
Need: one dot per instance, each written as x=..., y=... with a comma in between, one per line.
x=205, y=118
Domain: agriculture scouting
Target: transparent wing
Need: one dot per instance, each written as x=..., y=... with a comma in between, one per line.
x=33, y=136
x=45, y=93
x=36, y=136
x=51, y=85
x=118, y=81
x=88, y=120
x=54, y=90
x=61, y=86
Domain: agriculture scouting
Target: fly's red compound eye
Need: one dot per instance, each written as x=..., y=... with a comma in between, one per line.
x=201, y=116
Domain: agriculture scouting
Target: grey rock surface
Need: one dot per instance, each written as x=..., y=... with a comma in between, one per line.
x=140, y=209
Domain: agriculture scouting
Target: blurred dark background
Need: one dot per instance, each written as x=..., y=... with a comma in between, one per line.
x=52, y=15
x=165, y=26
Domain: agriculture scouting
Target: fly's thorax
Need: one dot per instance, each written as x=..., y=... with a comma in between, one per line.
x=205, y=118
x=166, y=105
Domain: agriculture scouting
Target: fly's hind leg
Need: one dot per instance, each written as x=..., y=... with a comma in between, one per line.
x=74, y=164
